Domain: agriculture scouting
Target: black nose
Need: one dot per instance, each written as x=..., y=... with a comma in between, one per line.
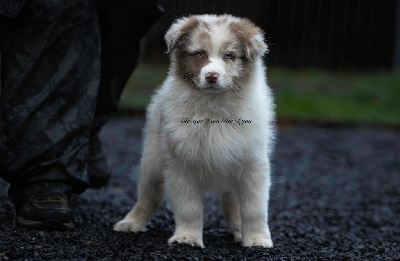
x=212, y=77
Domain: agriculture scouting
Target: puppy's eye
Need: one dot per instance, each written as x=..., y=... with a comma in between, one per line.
x=200, y=54
x=228, y=56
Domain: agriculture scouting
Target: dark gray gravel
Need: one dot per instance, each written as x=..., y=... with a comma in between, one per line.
x=335, y=195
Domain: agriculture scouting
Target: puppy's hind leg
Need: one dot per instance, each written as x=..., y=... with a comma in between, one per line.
x=231, y=208
x=151, y=194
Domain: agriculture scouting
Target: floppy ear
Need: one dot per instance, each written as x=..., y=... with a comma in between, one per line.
x=178, y=29
x=251, y=38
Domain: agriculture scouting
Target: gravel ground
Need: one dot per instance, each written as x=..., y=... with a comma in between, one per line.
x=335, y=195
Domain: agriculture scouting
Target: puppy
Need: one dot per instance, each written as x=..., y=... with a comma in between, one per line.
x=209, y=129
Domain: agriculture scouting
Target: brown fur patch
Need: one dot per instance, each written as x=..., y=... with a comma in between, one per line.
x=183, y=32
x=190, y=25
x=231, y=46
x=226, y=44
x=194, y=64
x=245, y=30
x=189, y=65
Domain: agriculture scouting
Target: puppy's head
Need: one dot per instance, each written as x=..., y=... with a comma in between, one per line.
x=214, y=53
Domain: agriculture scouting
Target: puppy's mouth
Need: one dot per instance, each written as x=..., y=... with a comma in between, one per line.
x=212, y=88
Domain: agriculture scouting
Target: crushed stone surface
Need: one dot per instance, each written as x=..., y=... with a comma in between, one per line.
x=335, y=195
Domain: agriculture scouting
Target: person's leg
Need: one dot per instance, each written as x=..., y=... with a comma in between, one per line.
x=122, y=26
x=48, y=96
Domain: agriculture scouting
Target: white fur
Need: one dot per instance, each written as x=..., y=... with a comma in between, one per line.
x=227, y=159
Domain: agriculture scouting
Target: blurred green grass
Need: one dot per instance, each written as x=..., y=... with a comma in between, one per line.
x=301, y=95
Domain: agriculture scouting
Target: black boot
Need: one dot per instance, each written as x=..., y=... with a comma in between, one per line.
x=44, y=206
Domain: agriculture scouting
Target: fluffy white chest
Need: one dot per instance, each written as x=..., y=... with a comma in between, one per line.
x=217, y=133
x=210, y=141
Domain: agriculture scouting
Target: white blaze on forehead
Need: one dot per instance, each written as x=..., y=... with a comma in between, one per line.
x=219, y=36
x=218, y=29
x=209, y=39
x=214, y=36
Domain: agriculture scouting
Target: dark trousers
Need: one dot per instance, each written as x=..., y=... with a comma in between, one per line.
x=52, y=56
x=123, y=23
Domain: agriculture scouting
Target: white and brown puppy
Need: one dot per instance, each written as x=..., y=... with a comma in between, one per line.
x=209, y=129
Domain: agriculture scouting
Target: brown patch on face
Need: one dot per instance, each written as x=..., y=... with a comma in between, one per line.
x=231, y=46
x=226, y=44
x=189, y=65
x=245, y=30
x=193, y=64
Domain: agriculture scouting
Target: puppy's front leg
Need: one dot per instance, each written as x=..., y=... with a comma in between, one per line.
x=151, y=191
x=254, y=196
x=187, y=204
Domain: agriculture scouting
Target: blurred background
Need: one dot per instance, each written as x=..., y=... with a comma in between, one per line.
x=329, y=61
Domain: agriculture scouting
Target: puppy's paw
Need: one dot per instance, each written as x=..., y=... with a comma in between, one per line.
x=127, y=225
x=187, y=239
x=265, y=242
